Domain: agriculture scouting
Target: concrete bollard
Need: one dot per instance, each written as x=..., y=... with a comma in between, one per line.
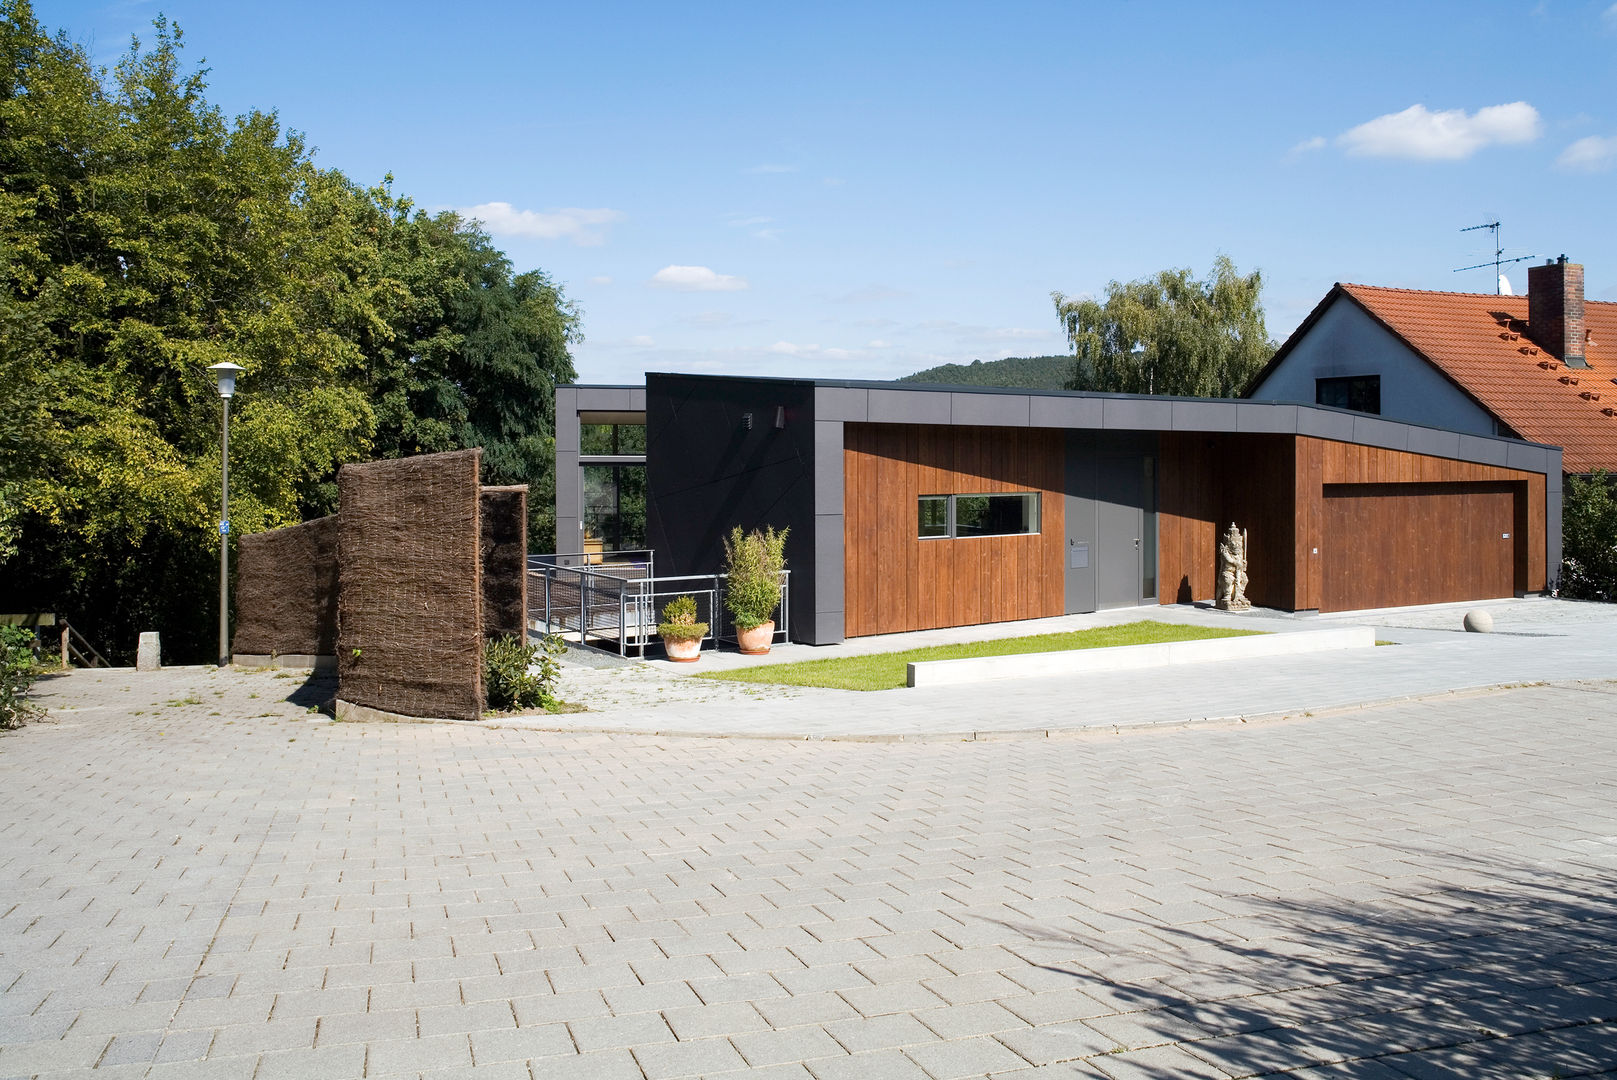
x=149, y=654
x=1478, y=621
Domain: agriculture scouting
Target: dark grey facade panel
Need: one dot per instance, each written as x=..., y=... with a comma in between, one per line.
x=1552, y=539
x=828, y=466
x=1064, y=412
x=1204, y=416
x=1325, y=424
x=1137, y=414
x=1436, y=443
x=1483, y=451
x=910, y=407
x=829, y=563
x=610, y=398
x=567, y=427
x=989, y=410
x=829, y=627
x=847, y=403
x=1526, y=457
x=1387, y=434
x=1260, y=418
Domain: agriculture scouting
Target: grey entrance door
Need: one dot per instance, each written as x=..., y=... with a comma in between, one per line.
x=1120, y=509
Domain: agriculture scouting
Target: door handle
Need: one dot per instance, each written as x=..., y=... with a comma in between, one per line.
x=1136, y=543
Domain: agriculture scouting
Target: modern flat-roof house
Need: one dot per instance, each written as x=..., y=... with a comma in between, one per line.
x=1540, y=367
x=914, y=506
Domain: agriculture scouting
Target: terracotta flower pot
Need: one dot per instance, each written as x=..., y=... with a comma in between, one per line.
x=685, y=650
x=754, y=641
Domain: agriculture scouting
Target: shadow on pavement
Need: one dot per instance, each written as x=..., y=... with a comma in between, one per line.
x=1512, y=974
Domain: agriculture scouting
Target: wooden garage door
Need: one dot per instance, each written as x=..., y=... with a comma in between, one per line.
x=1387, y=545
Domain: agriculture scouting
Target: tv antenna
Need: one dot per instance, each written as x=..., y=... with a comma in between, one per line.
x=1497, y=261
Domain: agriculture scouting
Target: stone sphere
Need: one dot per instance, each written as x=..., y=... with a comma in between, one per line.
x=1478, y=621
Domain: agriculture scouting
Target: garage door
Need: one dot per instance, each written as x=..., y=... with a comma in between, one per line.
x=1388, y=545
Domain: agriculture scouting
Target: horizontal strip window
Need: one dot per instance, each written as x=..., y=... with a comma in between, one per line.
x=940, y=517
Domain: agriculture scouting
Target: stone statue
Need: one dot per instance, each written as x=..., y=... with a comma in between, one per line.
x=1232, y=571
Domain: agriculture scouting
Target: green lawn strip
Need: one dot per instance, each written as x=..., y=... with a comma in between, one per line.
x=886, y=671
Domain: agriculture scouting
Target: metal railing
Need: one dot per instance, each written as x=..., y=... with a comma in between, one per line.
x=617, y=604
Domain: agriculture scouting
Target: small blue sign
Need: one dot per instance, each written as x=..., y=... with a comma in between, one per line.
x=224, y=527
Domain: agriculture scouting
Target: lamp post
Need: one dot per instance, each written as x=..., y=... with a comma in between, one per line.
x=226, y=374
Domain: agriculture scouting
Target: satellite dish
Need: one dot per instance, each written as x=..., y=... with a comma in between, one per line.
x=1504, y=286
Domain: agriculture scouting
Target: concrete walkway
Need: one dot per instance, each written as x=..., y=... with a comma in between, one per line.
x=1535, y=640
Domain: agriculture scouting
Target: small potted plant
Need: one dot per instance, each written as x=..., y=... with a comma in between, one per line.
x=682, y=634
x=753, y=563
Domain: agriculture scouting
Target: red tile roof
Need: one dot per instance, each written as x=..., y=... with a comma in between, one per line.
x=1482, y=343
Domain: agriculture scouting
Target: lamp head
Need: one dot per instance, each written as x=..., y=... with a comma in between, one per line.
x=226, y=374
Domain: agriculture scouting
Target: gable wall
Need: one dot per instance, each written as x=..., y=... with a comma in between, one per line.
x=1347, y=341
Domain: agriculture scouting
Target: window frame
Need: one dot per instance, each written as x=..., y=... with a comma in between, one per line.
x=1035, y=516
x=1368, y=380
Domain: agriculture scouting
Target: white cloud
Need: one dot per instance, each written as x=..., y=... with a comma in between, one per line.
x=741, y=221
x=708, y=318
x=786, y=348
x=696, y=279
x=878, y=343
x=1308, y=146
x=833, y=181
x=644, y=341
x=773, y=169
x=1450, y=135
x=578, y=225
x=1610, y=17
x=601, y=279
x=1593, y=153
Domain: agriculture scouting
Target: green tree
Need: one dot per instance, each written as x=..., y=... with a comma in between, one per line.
x=1169, y=334
x=144, y=237
x=1589, y=538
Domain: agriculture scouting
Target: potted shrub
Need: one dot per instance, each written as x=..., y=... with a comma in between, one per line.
x=682, y=634
x=752, y=563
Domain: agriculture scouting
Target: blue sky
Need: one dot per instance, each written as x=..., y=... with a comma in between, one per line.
x=865, y=190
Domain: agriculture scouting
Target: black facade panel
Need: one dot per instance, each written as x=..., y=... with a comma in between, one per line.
x=708, y=470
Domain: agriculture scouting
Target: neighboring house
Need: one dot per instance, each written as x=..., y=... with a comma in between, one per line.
x=1540, y=367
x=913, y=506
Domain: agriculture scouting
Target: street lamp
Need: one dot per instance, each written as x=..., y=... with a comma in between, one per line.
x=226, y=374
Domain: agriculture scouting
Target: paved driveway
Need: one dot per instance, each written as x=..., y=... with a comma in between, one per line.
x=197, y=881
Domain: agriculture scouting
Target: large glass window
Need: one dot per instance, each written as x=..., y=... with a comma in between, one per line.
x=612, y=438
x=962, y=516
x=1361, y=393
x=614, y=507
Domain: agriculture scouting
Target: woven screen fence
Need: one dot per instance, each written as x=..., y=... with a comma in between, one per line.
x=505, y=560
x=410, y=623
x=286, y=591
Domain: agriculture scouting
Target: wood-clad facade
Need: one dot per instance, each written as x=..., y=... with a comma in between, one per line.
x=897, y=581
x=1335, y=526
x=1331, y=526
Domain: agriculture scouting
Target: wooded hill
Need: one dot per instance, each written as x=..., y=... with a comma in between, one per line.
x=1022, y=372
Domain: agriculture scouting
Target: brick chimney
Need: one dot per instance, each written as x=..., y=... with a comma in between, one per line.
x=1555, y=310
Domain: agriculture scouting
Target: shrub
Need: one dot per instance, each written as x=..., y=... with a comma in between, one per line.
x=753, y=562
x=679, y=620
x=1589, y=538
x=18, y=669
x=517, y=675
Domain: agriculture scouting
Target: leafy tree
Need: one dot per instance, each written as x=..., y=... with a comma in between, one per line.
x=1589, y=538
x=1169, y=334
x=144, y=237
